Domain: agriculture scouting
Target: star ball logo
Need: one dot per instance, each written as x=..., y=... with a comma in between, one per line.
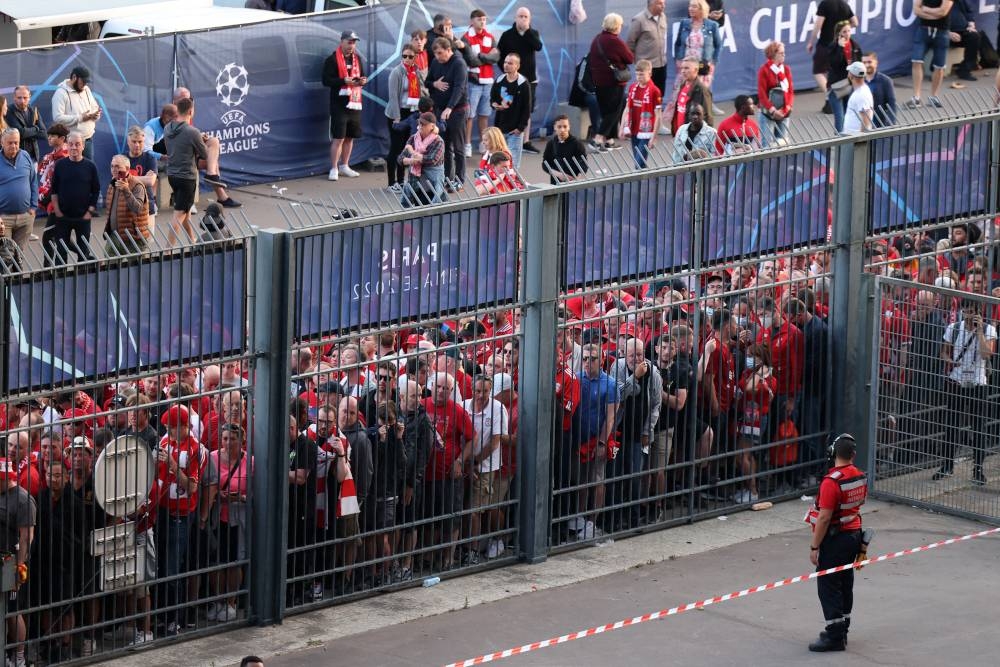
x=232, y=85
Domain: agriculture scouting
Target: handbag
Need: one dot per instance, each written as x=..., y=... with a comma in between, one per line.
x=622, y=75
x=841, y=88
x=787, y=453
x=704, y=68
x=777, y=97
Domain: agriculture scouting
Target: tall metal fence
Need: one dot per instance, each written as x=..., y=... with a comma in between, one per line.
x=373, y=400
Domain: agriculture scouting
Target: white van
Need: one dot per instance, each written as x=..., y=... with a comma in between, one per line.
x=161, y=23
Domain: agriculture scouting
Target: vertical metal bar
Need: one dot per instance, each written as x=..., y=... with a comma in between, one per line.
x=537, y=391
x=272, y=304
x=851, y=313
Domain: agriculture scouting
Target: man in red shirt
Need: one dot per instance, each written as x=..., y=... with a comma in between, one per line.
x=717, y=374
x=836, y=540
x=739, y=133
x=175, y=493
x=451, y=452
x=788, y=358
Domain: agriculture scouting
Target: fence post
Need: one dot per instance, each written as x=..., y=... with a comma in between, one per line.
x=851, y=313
x=541, y=259
x=272, y=322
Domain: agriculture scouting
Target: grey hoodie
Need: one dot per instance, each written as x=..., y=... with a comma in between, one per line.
x=184, y=148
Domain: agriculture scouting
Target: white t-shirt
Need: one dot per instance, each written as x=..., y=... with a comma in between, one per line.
x=970, y=366
x=860, y=101
x=491, y=421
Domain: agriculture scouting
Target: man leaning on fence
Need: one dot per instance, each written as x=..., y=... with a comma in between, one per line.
x=18, y=196
x=128, y=211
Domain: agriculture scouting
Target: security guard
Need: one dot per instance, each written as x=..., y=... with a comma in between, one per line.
x=837, y=540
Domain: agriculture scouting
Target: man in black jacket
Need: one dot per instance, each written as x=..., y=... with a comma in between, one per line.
x=510, y=97
x=343, y=74
x=565, y=157
x=418, y=437
x=525, y=41
x=25, y=118
x=448, y=79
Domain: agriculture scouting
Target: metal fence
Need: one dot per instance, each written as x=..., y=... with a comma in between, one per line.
x=381, y=398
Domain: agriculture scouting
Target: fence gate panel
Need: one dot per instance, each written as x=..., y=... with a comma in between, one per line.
x=937, y=398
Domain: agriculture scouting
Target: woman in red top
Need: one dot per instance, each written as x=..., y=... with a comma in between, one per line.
x=493, y=142
x=776, y=94
x=755, y=391
x=608, y=53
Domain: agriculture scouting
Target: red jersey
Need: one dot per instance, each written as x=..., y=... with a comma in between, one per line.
x=737, y=130
x=754, y=404
x=895, y=333
x=788, y=355
x=28, y=477
x=721, y=367
x=187, y=454
x=640, y=106
x=453, y=427
x=567, y=394
x=508, y=453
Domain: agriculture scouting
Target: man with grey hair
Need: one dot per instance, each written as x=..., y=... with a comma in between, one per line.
x=25, y=118
x=128, y=210
x=18, y=192
x=75, y=189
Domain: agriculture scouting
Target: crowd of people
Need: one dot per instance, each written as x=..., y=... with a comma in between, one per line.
x=163, y=162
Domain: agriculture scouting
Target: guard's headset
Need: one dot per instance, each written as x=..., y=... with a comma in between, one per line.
x=846, y=437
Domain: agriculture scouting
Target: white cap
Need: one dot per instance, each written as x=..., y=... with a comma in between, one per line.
x=502, y=382
x=857, y=69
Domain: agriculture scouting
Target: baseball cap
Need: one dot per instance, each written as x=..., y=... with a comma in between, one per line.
x=80, y=441
x=593, y=335
x=502, y=382
x=30, y=403
x=627, y=329
x=81, y=72
x=349, y=35
x=856, y=69
x=74, y=413
x=679, y=285
x=412, y=341
x=330, y=387
x=177, y=415
x=118, y=401
x=7, y=468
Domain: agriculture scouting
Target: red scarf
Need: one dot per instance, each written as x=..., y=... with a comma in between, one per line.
x=641, y=111
x=349, y=90
x=847, y=52
x=412, y=86
x=481, y=42
x=421, y=61
x=683, y=95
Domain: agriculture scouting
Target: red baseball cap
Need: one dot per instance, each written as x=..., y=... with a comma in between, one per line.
x=73, y=413
x=627, y=329
x=8, y=469
x=413, y=340
x=177, y=415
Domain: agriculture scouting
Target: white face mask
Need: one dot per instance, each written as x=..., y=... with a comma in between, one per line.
x=709, y=311
x=766, y=321
x=742, y=321
x=751, y=361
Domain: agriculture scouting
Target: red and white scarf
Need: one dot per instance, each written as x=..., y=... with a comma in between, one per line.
x=680, y=115
x=349, y=90
x=412, y=87
x=641, y=111
x=481, y=42
x=780, y=74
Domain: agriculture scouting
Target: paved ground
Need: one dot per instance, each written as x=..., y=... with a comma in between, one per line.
x=901, y=605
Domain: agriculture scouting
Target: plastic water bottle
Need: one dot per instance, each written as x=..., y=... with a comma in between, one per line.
x=431, y=581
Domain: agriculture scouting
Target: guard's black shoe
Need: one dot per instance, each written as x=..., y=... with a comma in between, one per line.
x=823, y=635
x=825, y=643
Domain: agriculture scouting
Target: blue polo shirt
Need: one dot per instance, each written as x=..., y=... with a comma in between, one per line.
x=18, y=184
x=595, y=396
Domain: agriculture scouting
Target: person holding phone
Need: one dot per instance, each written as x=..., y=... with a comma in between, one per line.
x=128, y=210
x=344, y=75
x=969, y=343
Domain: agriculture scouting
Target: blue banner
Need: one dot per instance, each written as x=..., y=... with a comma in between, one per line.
x=628, y=230
x=110, y=319
x=930, y=175
x=761, y=206
x=406, y=270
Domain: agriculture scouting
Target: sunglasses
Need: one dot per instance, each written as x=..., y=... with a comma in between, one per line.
x=406, y=57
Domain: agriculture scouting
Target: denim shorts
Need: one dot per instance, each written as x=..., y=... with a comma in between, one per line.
x=925, y=37
x=479, y=99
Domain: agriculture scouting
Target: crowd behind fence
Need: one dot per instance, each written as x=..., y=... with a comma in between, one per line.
x=277, y=421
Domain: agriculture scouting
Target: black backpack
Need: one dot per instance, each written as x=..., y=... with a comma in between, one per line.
x=583, y=84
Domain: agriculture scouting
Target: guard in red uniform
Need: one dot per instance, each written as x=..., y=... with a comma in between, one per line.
x=836, y=540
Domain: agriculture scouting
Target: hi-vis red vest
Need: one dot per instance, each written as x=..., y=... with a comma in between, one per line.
x=853, y=491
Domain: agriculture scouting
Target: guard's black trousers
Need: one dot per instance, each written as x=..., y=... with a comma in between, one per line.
x=836, y=591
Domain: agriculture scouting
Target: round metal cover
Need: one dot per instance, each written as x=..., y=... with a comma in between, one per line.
x=123, y=475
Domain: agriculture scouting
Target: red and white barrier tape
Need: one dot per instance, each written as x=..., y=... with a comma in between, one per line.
x=673, y=611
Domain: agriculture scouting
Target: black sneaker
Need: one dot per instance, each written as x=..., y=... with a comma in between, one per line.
x=826, y=107
x=230, y=203
x=978, y=478
x=215, y=180
x=966, y=76
x=529, y=147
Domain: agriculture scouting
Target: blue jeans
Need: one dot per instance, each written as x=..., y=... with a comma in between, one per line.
x=930, y=38
x=427, y=189
x=173, y=536
x=515, y=142
x=640, y=151
x=839, y=107
x=594, y=109
x=771, y=130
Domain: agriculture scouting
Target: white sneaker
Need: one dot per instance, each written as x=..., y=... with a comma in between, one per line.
x=317, y=590
x=588, y=532
x=468, y=150
x=496, y=548
x=227, y=613
x=664, y=130
x=140, y=638
x=87, y=648
x=347, y=171
x=213, y=611
x=333, y=175
x=19, y=661
x=194, y=210
x=742, y=496
x=577, y=523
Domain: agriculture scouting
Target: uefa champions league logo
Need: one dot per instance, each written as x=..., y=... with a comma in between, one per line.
x=232, y=86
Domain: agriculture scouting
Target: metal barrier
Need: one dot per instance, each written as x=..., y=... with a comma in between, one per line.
x=426, y=391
